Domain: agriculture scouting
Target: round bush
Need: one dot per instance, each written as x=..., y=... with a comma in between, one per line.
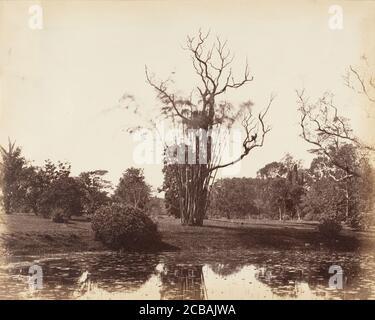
x=329, y=228
x=122, y=226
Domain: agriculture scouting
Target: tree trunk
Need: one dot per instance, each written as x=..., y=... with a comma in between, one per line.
x=194, y=183
x=194, y=200
x=346, y=201
x=298, y=210
x=192, y=215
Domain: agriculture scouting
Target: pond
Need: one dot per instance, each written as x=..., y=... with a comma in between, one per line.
x=233, y=274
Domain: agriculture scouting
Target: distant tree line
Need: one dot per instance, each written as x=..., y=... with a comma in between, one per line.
x=52, y=192
x=284, y=190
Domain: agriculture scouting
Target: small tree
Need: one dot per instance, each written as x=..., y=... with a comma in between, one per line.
x=170, y=188
x=94, y=189
x=283, y=186
x=133, y=189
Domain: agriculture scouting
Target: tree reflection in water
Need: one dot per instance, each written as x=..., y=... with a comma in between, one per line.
x=281, y=281
x=226, y=269
x=292, y=280
x=276, y=274
x=183, y=282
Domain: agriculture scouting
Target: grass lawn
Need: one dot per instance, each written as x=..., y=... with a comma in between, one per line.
x=26, y=234
x=30, y=234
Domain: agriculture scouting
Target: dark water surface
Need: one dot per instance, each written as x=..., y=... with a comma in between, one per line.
x=231, y=274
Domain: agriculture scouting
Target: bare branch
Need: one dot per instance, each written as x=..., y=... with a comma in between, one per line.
x=319, y=128
x=162, y=92
x=360, y=84
x=251, y=140
x=328, y=171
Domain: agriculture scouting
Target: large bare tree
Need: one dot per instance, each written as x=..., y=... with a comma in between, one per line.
x=202, y=112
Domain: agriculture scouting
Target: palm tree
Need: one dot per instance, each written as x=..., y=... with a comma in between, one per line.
x=11, y=167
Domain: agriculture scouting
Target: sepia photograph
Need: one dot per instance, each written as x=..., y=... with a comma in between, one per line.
x=187, y=150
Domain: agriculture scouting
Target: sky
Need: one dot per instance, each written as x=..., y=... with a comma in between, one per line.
x=60, y=86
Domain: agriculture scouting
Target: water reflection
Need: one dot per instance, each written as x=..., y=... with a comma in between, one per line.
x=226, y=269
x=251, y=275
x=182, y=282
x=309, y=273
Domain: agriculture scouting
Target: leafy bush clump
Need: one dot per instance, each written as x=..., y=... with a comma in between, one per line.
x=329, y=228
x=123, y=226
x=58, y=215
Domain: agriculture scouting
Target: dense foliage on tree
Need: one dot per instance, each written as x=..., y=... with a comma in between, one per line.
x=235, y=198
x=276, y=193
x=64, y=193
x=170, y=189
x=283, y=187
x=173, y=180
x=332, y=194
x=12, y=176
x=48, y=189
x=51, y=191
x=95, y=190
x=133, y=189
x=41, y=181
x=284, y=190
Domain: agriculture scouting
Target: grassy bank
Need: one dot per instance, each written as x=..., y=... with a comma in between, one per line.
x=29, y=234
x=22, y=234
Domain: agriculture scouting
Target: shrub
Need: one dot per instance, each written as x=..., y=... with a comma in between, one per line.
x=329, y=228
x=58, y=215
x=123, y=226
